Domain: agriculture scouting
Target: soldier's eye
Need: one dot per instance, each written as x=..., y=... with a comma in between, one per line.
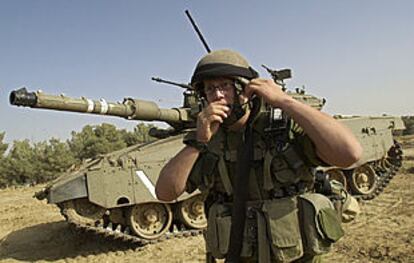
x=224, y=88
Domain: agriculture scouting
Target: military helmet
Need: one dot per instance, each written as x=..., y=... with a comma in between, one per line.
x=222, y=63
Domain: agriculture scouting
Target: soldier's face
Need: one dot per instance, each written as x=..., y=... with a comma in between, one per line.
x=220, y=90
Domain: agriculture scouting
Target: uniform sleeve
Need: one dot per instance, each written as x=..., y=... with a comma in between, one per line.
x=305, y=146
x=201, y=175
x=193, y=180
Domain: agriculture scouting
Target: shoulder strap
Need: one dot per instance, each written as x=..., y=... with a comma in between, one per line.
x=267, y=175
x=241, y=184
x=224, y=176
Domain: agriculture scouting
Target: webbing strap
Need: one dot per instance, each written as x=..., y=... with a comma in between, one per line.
x=230, y=155
x=241, y=186
x=267, y=175
x=224, y=176
x=262, y=239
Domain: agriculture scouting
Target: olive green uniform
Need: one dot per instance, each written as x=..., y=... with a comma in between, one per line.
x=285, y=221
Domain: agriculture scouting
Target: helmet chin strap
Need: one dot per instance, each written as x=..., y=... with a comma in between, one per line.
x=237, y=110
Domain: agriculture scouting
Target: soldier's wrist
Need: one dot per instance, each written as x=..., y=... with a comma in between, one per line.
x=196, y=144
x=284, y=103
x=201, y=137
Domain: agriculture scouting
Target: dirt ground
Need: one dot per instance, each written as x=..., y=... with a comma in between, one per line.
x=31, y=230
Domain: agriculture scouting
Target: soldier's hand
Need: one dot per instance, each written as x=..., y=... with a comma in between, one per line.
x=209, y=120
x=267, y=89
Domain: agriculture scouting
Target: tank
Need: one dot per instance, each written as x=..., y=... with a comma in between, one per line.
x=113, y=195
x=382, y=155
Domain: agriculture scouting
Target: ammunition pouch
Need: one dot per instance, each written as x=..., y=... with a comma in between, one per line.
x=320, y=225
x=277, y=230
x=218, y=232
x=298, y=226
x=283, y=229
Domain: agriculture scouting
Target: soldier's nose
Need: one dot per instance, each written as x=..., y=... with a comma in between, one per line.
x=218, y=94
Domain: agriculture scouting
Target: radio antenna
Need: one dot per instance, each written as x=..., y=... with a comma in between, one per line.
x=198, y=31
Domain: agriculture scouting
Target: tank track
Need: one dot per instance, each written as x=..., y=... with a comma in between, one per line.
x=385, y=174
x=114, y=232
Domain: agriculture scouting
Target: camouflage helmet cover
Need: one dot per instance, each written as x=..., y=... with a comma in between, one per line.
x=222, y=63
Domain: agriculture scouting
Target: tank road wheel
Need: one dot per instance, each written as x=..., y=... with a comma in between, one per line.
x=191, y=213
x=83, y=211
x=363, y=180
x=151, y=220
x=338, y=175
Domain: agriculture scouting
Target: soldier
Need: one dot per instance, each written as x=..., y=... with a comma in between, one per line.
x=284, y=220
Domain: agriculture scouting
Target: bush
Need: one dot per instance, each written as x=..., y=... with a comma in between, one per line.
x=409, y=124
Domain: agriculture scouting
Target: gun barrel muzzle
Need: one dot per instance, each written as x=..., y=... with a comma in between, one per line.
x=22, y=97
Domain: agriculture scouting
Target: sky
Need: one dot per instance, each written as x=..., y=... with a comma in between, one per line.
x=359, y=55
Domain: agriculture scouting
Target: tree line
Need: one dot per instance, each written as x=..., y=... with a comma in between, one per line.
x=24, y=162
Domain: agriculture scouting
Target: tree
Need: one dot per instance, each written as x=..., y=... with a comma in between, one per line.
x=95, y=140
x=3, y=146
x=52, y=159
x=38, y=163
x=139, y=135
x=20, y=164
x=409, y=124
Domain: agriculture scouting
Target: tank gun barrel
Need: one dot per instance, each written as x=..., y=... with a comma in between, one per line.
x=132, y=109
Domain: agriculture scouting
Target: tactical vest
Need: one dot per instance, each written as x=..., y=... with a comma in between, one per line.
x=284, y=223
x=275, y=173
